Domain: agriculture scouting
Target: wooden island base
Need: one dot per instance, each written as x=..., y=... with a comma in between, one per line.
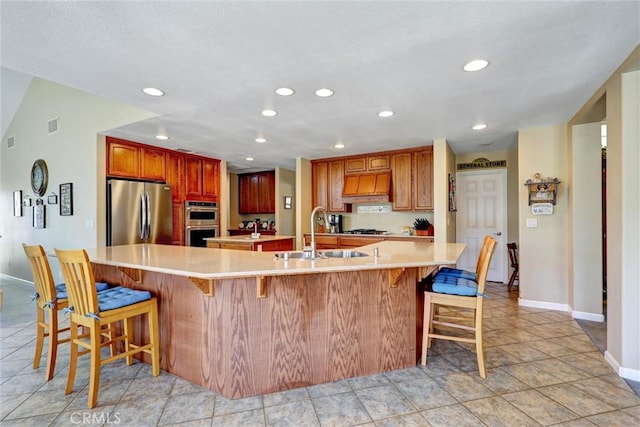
x=306, y=329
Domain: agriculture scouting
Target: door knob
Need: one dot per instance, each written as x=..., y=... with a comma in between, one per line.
x=499, y=233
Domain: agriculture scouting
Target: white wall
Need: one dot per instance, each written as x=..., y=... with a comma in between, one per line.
x=72, y=155
x=443, y=165
x=585, y=245
x=543, y=250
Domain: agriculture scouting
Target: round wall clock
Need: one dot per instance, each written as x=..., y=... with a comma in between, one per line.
x=39, y=177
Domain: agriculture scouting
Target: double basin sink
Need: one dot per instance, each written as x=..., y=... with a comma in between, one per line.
x=336, y=253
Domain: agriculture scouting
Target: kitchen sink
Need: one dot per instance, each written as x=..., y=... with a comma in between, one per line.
x=343, y=253
x=293, y=255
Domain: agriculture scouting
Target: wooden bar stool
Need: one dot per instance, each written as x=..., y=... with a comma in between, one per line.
x=513, y=259
x=95, y=311
x=454, y=293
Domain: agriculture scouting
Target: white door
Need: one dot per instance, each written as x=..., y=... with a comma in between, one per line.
x=482, y=210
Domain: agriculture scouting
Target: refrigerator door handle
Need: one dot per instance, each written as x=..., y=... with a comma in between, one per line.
x=143, y=216
x=148, y=222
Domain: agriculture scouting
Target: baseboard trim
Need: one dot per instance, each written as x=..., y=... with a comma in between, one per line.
x=16, y=278
x=583, y=315
x=543, y=304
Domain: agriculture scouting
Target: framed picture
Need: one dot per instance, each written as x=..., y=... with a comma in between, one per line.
x=66, y=199
x=452, y=194
x=17, y=203
x=52, y=199
x=39, y=214
x=287, y=202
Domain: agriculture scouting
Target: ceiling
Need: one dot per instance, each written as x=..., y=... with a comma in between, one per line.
x=220, y=62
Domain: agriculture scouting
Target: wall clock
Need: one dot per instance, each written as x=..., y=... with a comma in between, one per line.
x=39, y=177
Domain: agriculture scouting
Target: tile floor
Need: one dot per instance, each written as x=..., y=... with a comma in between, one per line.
x=543, y=370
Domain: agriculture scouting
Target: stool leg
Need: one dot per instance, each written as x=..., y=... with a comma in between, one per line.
x=154, y=337
x=53, y=342
x=426, y=328
x=479, y=346
x=94, y=374
x=39, y=337
x=73, y=357
x=128, y=331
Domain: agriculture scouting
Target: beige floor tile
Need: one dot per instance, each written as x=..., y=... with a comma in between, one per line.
x=454, y=415
x=495, y=411
x=580, y=402
x=539, y=407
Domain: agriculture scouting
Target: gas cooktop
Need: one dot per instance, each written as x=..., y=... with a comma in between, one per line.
x=365, y=231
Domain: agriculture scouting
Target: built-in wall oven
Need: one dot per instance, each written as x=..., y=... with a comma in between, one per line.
x=200, y=222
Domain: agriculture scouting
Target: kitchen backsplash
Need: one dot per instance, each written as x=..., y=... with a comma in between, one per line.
x=374, y=216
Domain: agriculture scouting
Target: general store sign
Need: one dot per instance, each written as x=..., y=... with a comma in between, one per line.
x=482, y=163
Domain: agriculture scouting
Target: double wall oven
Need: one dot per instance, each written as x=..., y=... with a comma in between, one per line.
x=200, y=221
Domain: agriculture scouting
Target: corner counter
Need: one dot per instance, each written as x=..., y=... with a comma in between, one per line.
x=264, y=243
x=247, y=323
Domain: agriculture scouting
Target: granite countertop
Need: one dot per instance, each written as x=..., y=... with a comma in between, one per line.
x=383, y=235
x=246, y=239
x=209, y=263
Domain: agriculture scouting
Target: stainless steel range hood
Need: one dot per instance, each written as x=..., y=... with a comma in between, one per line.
x=369, y=187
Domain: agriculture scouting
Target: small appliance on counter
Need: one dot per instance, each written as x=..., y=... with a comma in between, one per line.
x=335, y=223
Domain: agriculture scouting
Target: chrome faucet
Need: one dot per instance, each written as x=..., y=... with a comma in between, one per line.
x=315, y=210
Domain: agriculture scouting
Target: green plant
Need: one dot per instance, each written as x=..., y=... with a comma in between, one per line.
x=421, y=224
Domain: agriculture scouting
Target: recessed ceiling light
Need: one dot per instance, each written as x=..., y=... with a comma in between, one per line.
x=324, y=92
x=479, y=126
x=285, y=91
x=261, y=140
x=269, y=113
x=249, y=159
x=339, y=145
x=386, y=113
x=162, y=137
x=152, y=91
x=476, y=65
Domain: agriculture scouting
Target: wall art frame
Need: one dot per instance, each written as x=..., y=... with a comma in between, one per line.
x=66, y=199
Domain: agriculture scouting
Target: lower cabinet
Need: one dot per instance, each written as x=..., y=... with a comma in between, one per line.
x=285, y=244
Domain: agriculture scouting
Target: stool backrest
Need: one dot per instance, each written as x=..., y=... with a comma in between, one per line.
x=41, y=270
x=79, y=279
x=484, y=260
x=513, y=254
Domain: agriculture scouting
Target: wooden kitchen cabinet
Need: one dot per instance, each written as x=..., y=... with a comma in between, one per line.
x=175, y=176
x=355, y=165
x=136, y=161
x=323, y=242
x=401, y=167
x=327, y=180
x=202, y=178
x=423, y=179
x=336, y=182
x=370, y=163
x=320, y=183
x=378, y=162
x=348, y=242
x=177, y=210
x=257, y=193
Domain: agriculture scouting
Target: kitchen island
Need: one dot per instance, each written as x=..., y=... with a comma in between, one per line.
x=250, y=323
x=263, y=243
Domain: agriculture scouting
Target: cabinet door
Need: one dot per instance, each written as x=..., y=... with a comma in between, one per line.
x=210, y=179
x=320, y=184
x=193, y=177
x=152, y=164
x=355, y=165
x=401, y=181
x=174, y=176
x=177, y=213
x=267, y=192
x=423, y=180
x=249, y=188
x=123, y=160
x=356, y=242
x=378, y=162
x=336, y=182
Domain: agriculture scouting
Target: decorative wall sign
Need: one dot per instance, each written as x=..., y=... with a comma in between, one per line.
x=17, y=203
x=452, y=194
x=39, y=214
x=66, y=199
x=52, y=199
x=482, y=163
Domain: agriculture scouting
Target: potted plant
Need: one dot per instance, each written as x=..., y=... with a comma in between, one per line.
x=423, y=227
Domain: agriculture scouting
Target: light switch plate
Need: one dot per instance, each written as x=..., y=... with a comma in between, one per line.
x=532, y=223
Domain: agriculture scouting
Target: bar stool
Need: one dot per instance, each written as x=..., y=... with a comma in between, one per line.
x=513, y=259
x=49, y=298
x=95, y=311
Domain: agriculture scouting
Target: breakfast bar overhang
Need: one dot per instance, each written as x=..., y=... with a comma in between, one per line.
x=246, y=323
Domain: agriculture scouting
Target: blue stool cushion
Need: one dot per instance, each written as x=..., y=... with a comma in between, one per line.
x=456, y=272
x=61, y=289
x=117, y=297
x=455, y=286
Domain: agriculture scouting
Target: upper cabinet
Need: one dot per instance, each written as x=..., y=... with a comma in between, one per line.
x=257, y=192
x=328, y=180
x=202, y=178
x=366, y=179
x=129, y=160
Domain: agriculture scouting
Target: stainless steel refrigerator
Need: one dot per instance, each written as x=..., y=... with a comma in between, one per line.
x=138, y=212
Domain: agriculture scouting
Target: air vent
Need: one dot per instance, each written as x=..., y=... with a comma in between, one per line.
x=53, y=125
x=184, y=150
x=11, y=142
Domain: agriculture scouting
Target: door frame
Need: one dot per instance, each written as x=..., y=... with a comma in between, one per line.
x=504, y=238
